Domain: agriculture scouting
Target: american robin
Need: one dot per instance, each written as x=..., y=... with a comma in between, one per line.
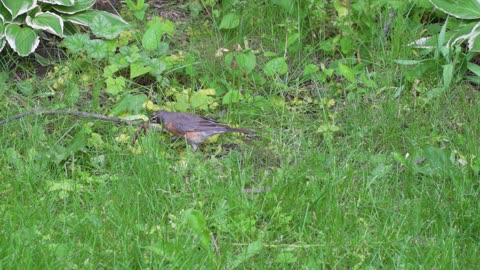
x=195, y=129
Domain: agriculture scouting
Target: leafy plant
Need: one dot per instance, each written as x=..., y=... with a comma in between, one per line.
x=138, y=8
x=448, y=44
x=21, y=21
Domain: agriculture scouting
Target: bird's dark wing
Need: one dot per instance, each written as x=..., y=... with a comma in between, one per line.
x=189, y=122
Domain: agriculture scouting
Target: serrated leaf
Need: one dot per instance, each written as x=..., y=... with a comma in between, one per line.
x=76, y=43
x=46, y=21
x=97, y=48
x=102, y=27
x=230, y=21
x=23, y=40
x=117, y=24
x=200, y=101
x=115, y=85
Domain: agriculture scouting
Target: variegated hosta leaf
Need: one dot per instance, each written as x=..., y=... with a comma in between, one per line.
x=18, y=7
x=463, y=32
x=2, y=19
x=80, y=5
x=47, y=21
x=2, y=27
x=22, y=40
x=455, y=36
x=463, y=9
x=59, y=2
x=2, y=43
x=474, y=43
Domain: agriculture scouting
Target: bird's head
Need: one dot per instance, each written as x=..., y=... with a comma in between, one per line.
x=158, y=116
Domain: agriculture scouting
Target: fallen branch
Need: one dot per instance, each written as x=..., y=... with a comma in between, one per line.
x=144, y=125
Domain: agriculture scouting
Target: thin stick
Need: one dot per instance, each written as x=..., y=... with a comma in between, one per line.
x=391, y=16
x=80, y=114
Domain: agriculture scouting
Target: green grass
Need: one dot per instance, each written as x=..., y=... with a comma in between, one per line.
x=342, y=205
x=396, y=187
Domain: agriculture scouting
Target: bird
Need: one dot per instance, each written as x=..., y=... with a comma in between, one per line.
x=194, y=128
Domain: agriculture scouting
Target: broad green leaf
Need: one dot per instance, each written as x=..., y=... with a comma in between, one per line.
x=436, y=92
x=347, y=45
x=166, y=250
x=200, y=100
x=447, y=74
x=182, y=103
x=288, y=5
x=292, y=38
x=138, y=9
x=102, y=27
x=346, y=72
x=247, y=61
x=78, y=142
x=232, y=97
x=474, y=68
x=286, y=258
x=22, y=40
x=276, y=67
x=80, y=5
x=230, y=21
x=46, y=21
x=462, y=9
x=138, y=69
x=87, y=18
x=110, y=70
x=153, y=36
x=131, y=104
x=18, y=7
x=157, y=65
x=248, y=252
x=310, y=69
x=198, y=224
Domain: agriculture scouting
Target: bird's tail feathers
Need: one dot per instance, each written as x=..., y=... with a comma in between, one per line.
x=241, y=130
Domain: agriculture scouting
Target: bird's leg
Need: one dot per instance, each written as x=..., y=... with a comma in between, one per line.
x=194, y=146
x=174, y=138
